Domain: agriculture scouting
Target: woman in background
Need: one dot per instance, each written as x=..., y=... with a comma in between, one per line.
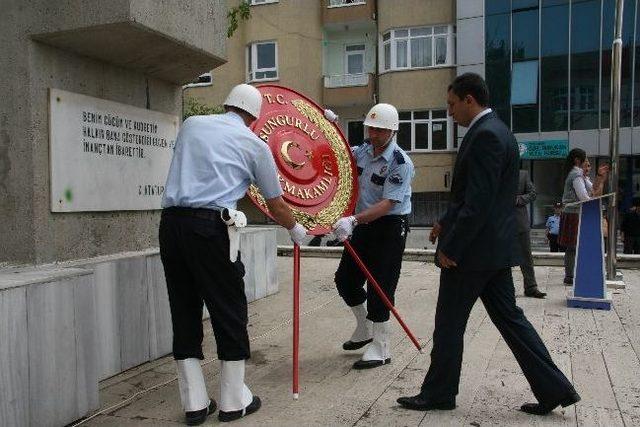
x=577, y=187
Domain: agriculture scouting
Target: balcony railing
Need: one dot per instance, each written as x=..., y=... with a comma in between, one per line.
x=346, y=80
x=340, y=3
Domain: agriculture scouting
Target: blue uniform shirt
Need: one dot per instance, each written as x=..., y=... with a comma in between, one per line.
x=387, y=176
x=553, y=224
x=216, y=158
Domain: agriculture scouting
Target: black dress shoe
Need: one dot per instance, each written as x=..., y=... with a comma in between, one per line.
x=236, y=415
x=535, y=294
x=368, y=364
x=354, y=345
x=420, y=403
x=541, y=409
x=195, y=418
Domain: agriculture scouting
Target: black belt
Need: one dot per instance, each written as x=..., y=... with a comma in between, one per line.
x=210, y=214
x=386, y=219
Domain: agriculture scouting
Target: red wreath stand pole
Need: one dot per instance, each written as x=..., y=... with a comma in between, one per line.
x=296, y=318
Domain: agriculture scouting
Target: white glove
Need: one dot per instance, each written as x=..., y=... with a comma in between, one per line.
x=330, y=115
x=343, y=228
x=298, y=233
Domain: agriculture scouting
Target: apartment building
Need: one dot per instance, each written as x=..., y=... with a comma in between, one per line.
x=348, y=55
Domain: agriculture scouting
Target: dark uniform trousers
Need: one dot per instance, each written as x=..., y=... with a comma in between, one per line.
x=380, y=245
x=457, y=295
x=194, y=247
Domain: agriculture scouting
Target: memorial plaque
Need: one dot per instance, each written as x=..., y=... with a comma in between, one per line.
x=107, y=156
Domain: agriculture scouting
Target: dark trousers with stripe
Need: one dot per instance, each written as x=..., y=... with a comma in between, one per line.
x=194, y=247
x=457, y=295
x=380, y=245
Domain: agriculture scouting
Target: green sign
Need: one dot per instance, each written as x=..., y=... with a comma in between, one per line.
x=548, y=149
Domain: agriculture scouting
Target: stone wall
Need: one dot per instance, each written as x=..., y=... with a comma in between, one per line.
x=64, y=327
x=136, y=52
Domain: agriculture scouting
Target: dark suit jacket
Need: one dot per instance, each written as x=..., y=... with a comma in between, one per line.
x=479, y=227
x=526, y=194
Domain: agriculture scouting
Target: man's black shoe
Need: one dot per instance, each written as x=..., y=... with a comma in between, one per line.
x=354, y=345
x=540, y=409
x=368, y=364
x=419, y=403
x=236, y=415
x=195, y=418
x=535, y=294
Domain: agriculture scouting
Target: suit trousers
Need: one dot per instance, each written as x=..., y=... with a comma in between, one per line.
x=198, y=271
x=631, y=244
x=457, y=295
x=526, y=266
x=569, y=262
x=380, y=245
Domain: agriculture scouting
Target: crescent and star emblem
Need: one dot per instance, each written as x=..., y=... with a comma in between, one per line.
x=284, y=152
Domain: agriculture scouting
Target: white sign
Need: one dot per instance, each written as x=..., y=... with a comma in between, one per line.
x=107, y=156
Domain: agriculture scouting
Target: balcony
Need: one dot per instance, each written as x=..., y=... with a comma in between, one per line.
x=336, y=12
x=348, y=90
x=346, y=80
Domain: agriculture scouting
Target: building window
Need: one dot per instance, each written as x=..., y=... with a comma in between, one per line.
x=524, y=83
x=425, y=131
x=554, y=66
x=262, y=61
x=340, y=3
x=355, y=132
x=420, y=47
x=354, y=59
x=256, y=2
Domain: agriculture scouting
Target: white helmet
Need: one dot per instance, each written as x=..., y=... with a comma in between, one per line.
x=245, y=97
x=383, y=116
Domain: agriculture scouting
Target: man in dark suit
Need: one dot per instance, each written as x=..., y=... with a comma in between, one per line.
x=525, y=195
x=476, y=247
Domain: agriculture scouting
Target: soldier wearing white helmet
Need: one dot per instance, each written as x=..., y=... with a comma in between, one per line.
x=216, y=158
x=378, y=233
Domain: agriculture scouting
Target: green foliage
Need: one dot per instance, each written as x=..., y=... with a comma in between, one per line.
x=193, y=107
x=242, y=12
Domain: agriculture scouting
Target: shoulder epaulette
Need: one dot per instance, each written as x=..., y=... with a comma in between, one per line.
x=397, y=154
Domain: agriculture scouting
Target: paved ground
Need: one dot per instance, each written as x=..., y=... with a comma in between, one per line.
x=597, y=350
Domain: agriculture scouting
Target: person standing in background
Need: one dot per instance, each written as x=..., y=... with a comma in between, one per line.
x=553, y=229
x=631, y=229
x=524, y=197
x=577, y=187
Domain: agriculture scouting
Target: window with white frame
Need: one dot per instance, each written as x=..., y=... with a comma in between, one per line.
x=354, y=59
x=255, y=2
x=426, y=130
x=262, y=61
x=419, y=47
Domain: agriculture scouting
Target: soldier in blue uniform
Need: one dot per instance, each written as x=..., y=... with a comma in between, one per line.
x=216, y=158
x=378, y=233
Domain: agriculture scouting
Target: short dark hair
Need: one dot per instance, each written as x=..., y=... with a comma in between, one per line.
x=471, y=84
